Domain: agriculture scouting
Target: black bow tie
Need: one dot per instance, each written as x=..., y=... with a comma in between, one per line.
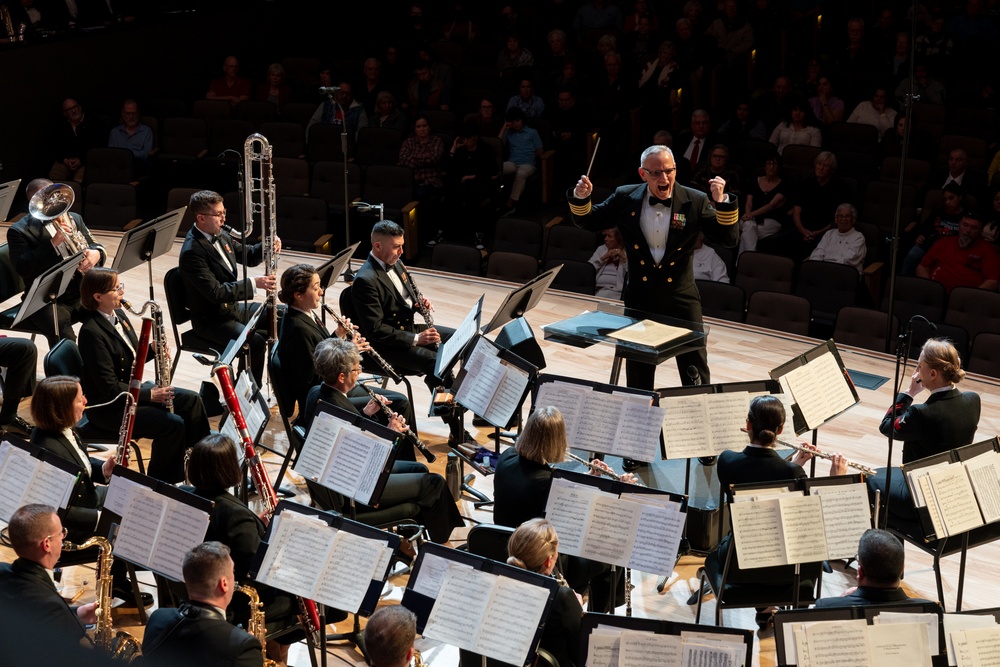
x=216, y=238
x=653, y=201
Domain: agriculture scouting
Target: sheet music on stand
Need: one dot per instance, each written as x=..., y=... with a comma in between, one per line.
x=616, y=523
x=8, y=191
x=157, y=523
x=819, y=384
x=325, y=557
x=347, y=453
x=864, y=635
x=478, y=604
x=494, y=382
x=604, y=418
x=792, y=528
x=255, y=412
x=455, y=346
x=30, y=474
x=706, y=419
x=624, y=641
x=956, y=491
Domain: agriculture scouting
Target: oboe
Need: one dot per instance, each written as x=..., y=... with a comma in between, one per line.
x=383, y=364
x=428, y=454
x=424, y=311
x=824, y=455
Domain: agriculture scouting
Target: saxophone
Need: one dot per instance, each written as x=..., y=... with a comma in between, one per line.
x=162, y=352
x=259, y=200
x=121, y=645
x=256, y=624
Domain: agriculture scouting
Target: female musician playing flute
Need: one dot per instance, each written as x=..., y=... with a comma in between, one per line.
x=521, y=489
x=757, y=463
x=948, y=419
x=107, y=343
x=302, y=330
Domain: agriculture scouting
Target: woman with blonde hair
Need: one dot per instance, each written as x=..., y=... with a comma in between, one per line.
x=534, y=546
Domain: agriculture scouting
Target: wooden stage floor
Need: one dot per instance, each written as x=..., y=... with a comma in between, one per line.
x=736, y=353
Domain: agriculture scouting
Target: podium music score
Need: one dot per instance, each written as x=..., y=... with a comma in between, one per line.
x=325, y=557
x=478, y=604
x=30, y=474
x=602, y=326
x=604, y=418
x=620, y=641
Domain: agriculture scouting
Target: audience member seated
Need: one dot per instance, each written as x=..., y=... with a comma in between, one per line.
x=614, y=95
x=658, y=83
x=797, y=128
x=718, y=166
x=531, y=105
x=230, y=86
x=742, y=126
x=880, y=573
x=929, y=89
x=423, y=152
x=470, y=186
x=611, y=264
x=639, y=46
x=197, y=632
x=332, y=112
x=707, y=263
x=973, y=181
x=569, y=123
x=524, y=147
x=856, y=63
x=693, y=146
x=935, y=46
x=534, y=546
x=389, y=635
x=991, y=229
x=965, y=260
x=734, y=39
x=596, y=15
x=514, y=58
x=814, y=204
x=934, y=225
x=897, y=64
x=371, y=85
x=845, y=244
x=773, y=107
x=875, y=112
x=385, y=114
x=826, y=107
x=71, y=139
x=425, y=93
x=488, y=123
x=922, y=145
x=766, y=210
x=808, y=86
x=275, y=90
x=550, y=65
x=133, y=135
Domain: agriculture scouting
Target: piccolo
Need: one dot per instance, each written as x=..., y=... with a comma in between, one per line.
x=610, y=473
x=376, y=357
x=824, y=455
x=408, y=432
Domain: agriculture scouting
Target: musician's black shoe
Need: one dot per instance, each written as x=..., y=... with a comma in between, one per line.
x=456, y=439
x=17, y=426
x=479, y=421
x=629, y=465
x=707, y=460
x=128, y=599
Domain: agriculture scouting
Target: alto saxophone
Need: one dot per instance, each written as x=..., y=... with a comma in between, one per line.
x=256, y=626
x=162, y=353
x=121, y=645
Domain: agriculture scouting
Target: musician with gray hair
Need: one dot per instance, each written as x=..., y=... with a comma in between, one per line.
x=37, y=244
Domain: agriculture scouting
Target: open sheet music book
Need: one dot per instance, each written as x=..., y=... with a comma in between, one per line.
x=344, y=457
x=308, y=557
x=603, y=418
x=819, y=385
x=648, y=332
x=637, y=530
x=789, y=528
x=29, y=474
x=959, y=644
x=477, y=604
x=704, y=424
x=493, y=382
x=854, y=642
x=159, y=522
x=612, y=647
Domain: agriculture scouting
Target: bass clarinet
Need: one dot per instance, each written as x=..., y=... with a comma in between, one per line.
x=132, y=401
x=261, y=482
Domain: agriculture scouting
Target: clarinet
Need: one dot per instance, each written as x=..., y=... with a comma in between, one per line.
x=132, y=401
x=376, y=357
x=261, y=482
x=428, y=454
x=418, y=298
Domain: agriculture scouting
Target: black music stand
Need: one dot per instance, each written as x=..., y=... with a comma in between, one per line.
x=240, y=345
x=46, y=289
x=330, y=270
x=8, y=191
x=147, y=242
x=521, y=300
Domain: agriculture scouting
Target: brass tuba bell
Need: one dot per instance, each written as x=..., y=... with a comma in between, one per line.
x=53, y=203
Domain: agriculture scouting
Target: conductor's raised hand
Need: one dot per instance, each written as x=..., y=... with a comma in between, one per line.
x=428, y=337
x=583, y=188
x=717, y=187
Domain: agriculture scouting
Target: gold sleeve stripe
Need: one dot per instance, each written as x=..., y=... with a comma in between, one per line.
x=727, y=217
x=580, y=209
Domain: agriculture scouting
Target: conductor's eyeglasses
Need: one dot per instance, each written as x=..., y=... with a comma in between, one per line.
x=657, y=173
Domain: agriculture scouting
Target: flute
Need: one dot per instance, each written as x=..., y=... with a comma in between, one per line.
x=610, y=473
x=376, y=357
x=824, y=455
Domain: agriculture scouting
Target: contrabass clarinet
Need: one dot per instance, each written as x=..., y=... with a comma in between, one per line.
x=258, y=474
x=163, y=365
x=134, y=385
x=259, y=194
x=424, y=311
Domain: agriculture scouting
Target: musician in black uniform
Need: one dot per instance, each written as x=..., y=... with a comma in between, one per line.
x=38, y=245
x=659, y=222
x=197, y=633
x=302, y=330
x=108, y=345
x=384, y=304
x=410, y=484
x=209, y=261
x=946, y=420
